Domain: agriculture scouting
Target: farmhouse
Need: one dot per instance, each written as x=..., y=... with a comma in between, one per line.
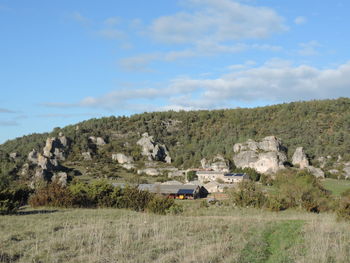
x=211, y=176
x=176, y=191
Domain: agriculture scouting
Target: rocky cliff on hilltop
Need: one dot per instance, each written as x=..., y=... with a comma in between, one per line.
x=266, y=156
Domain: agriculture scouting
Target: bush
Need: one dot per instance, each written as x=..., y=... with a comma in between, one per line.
x=135, y=199
x=52, y=194
x=252, y=173
x=301, y=190
x=343, y=211
x=160, y=205
x=12, y=198
x=248, y=195
x=101, y=194
x=175, y=209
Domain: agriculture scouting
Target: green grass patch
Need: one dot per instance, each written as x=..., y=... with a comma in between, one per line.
x=273, y=243
x=337, y=187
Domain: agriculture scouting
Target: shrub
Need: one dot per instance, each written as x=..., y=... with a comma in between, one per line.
x=276, y=203
x=248, y=195
x=160, y=205
x=81, y=195
x=252, y=173
x=100, y=192
x=175, y=209
x=135, y=199
x=343, y=211
x=52, y=194
x=12, y=198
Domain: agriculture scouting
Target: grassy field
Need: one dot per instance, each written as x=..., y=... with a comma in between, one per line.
x=214, y=234
x=337, y=187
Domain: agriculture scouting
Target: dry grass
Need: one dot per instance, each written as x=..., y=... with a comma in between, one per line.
x=216, y=234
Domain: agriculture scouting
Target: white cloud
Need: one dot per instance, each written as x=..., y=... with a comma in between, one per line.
x=8, y=123
x=309, y=48
x=112, y=21
x=3, y=110
x=111, y=33
x=80, y=18
x=300, y=20
x=275, y=81
x=142, y=62
x=217, y=20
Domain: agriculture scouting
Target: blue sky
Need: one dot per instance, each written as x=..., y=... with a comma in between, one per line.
x=64, y=61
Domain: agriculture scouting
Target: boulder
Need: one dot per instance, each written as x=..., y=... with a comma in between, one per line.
x=128, y=166
x=317, y=172
x=122, y=158
x=322, y=161
x=266, y=156
x=60, y=178
x=154, y=151
x=149, y=171
x=14, y=155
x=24, y=172
x=300, y=158
x=333, y=171
x=219, y=164
x=33, y=156
x=205, y=164
x=86, y=156
x=99, y=141
x=346, y=170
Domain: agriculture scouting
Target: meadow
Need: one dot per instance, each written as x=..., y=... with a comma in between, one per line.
x=200, y=234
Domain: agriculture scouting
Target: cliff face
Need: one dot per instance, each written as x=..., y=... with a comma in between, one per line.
x=266, y=156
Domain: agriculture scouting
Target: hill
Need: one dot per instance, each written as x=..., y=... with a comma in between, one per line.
x=321, y=127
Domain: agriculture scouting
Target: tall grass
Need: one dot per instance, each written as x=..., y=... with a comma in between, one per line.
x=214, y=234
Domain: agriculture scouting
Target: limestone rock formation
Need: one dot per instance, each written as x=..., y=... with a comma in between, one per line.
x=14, y=155
x=87, y=156
x=56, y=147
x=33, y=156
x=218, y=163
x=266, y=156
x=99, y=141
x=60, y=178
x=122, y=158
x=149, y=171
x=317, y=172
x=128, y=166
x=346, y=170
x=154, y=151
x=300, y=158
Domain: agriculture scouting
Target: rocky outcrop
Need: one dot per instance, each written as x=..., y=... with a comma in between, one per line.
x=299, y=158
x=14, y=156
x=33, y=156
x=154, y=151
x=218, y=163
x=128, y=166
x=317, y=172
x=122, y=158
x=266, y=156
x=268, y=144
x=60, y=178
x=99, y=141
x=346, y=170
x=149, y=171
x=87, y=156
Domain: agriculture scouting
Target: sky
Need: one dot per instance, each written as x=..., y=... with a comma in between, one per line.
x=66, y=61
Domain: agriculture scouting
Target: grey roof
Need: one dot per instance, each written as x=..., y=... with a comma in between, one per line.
x=209, y=172
x=168, y=189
